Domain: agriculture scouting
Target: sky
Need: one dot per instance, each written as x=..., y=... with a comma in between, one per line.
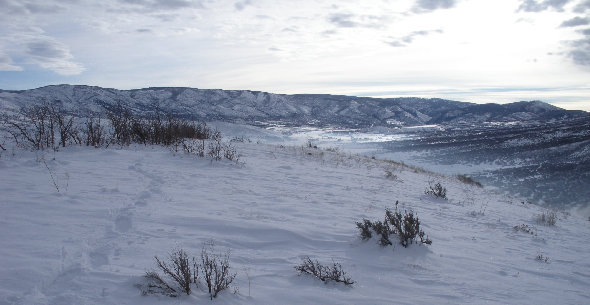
x=478, y=51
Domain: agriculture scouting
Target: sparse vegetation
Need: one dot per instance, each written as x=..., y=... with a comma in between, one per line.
x=526, y=229
x=180, y=274
x=541, y=258
x=216, y=271
x=437, y=191
x=468, y=180
x=548, y=218
x=405, y=226
x=47, y=126
x=324, y=273
x=390, y=175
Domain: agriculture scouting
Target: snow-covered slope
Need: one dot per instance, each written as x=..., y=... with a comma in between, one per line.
x=252, y=106
x=91, y=242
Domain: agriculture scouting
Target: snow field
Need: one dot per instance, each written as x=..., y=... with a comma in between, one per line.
x=91, y=242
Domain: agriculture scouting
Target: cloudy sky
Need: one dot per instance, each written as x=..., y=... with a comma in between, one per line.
x=467, y=50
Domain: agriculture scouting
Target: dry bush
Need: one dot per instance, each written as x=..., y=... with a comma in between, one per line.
x=526, y=229
x=437, y=191
x=548, y=218
x=95, y=133
x=216, y=271
x=181, y=274
x=468, y=180
x=541, y=258
x=40, y=127
x=178, y=277
x=324, y=273
x=215, y=151
x=194, y=147
x=406, y=226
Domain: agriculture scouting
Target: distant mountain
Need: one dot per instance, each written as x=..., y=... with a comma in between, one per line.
x=301, y=109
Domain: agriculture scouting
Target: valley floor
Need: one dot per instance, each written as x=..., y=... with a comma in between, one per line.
x=82, y=226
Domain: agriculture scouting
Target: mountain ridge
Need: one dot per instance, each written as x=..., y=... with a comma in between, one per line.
x=249, y=106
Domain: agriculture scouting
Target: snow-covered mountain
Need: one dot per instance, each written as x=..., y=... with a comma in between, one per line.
x=301, y=109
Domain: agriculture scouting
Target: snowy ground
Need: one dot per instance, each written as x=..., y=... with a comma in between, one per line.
x=91, y=242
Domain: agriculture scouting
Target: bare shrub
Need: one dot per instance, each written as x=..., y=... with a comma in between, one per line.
x=230, y=152
x=548, y=218
x=95, y=133
x=32, y=128
x=541, y=258
x=365, y=228
x=468, y=180
x=215, y=149
x=156, y=129
x=324, y=273
x=390, y=175
x=178, y=269
x=121, y=119
x=47, y=126
x=216, y=271
x=181, y=274
x=44, y=126
x=156, y=285
x=526, y=229
x=437, y=191
x=194, y=147
x=406, y=226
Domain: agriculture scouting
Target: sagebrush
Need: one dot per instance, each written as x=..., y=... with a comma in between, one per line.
x=548, y=218
x=437, y=191
x=405, y=226
x=182, y=275
x=325, y=273
x=468, y=180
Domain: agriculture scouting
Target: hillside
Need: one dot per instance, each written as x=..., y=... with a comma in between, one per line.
x=301, y=109
x=82, y=225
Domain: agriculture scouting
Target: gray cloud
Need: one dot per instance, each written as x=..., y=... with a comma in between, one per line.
x=329, y=33
x=539, y=6
x=396, y=44
x=241, y=5
x=20, y=8
x=166, y=17
x=576, y=21
x=580, y=49
x=430, y=5
x=408, y=39
x=581, y=56
x=289, y=30
x=6, y=64
x=582, y=7
x=52, y=55
x=42, y=8
x=156, y=5
x=343, y=20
